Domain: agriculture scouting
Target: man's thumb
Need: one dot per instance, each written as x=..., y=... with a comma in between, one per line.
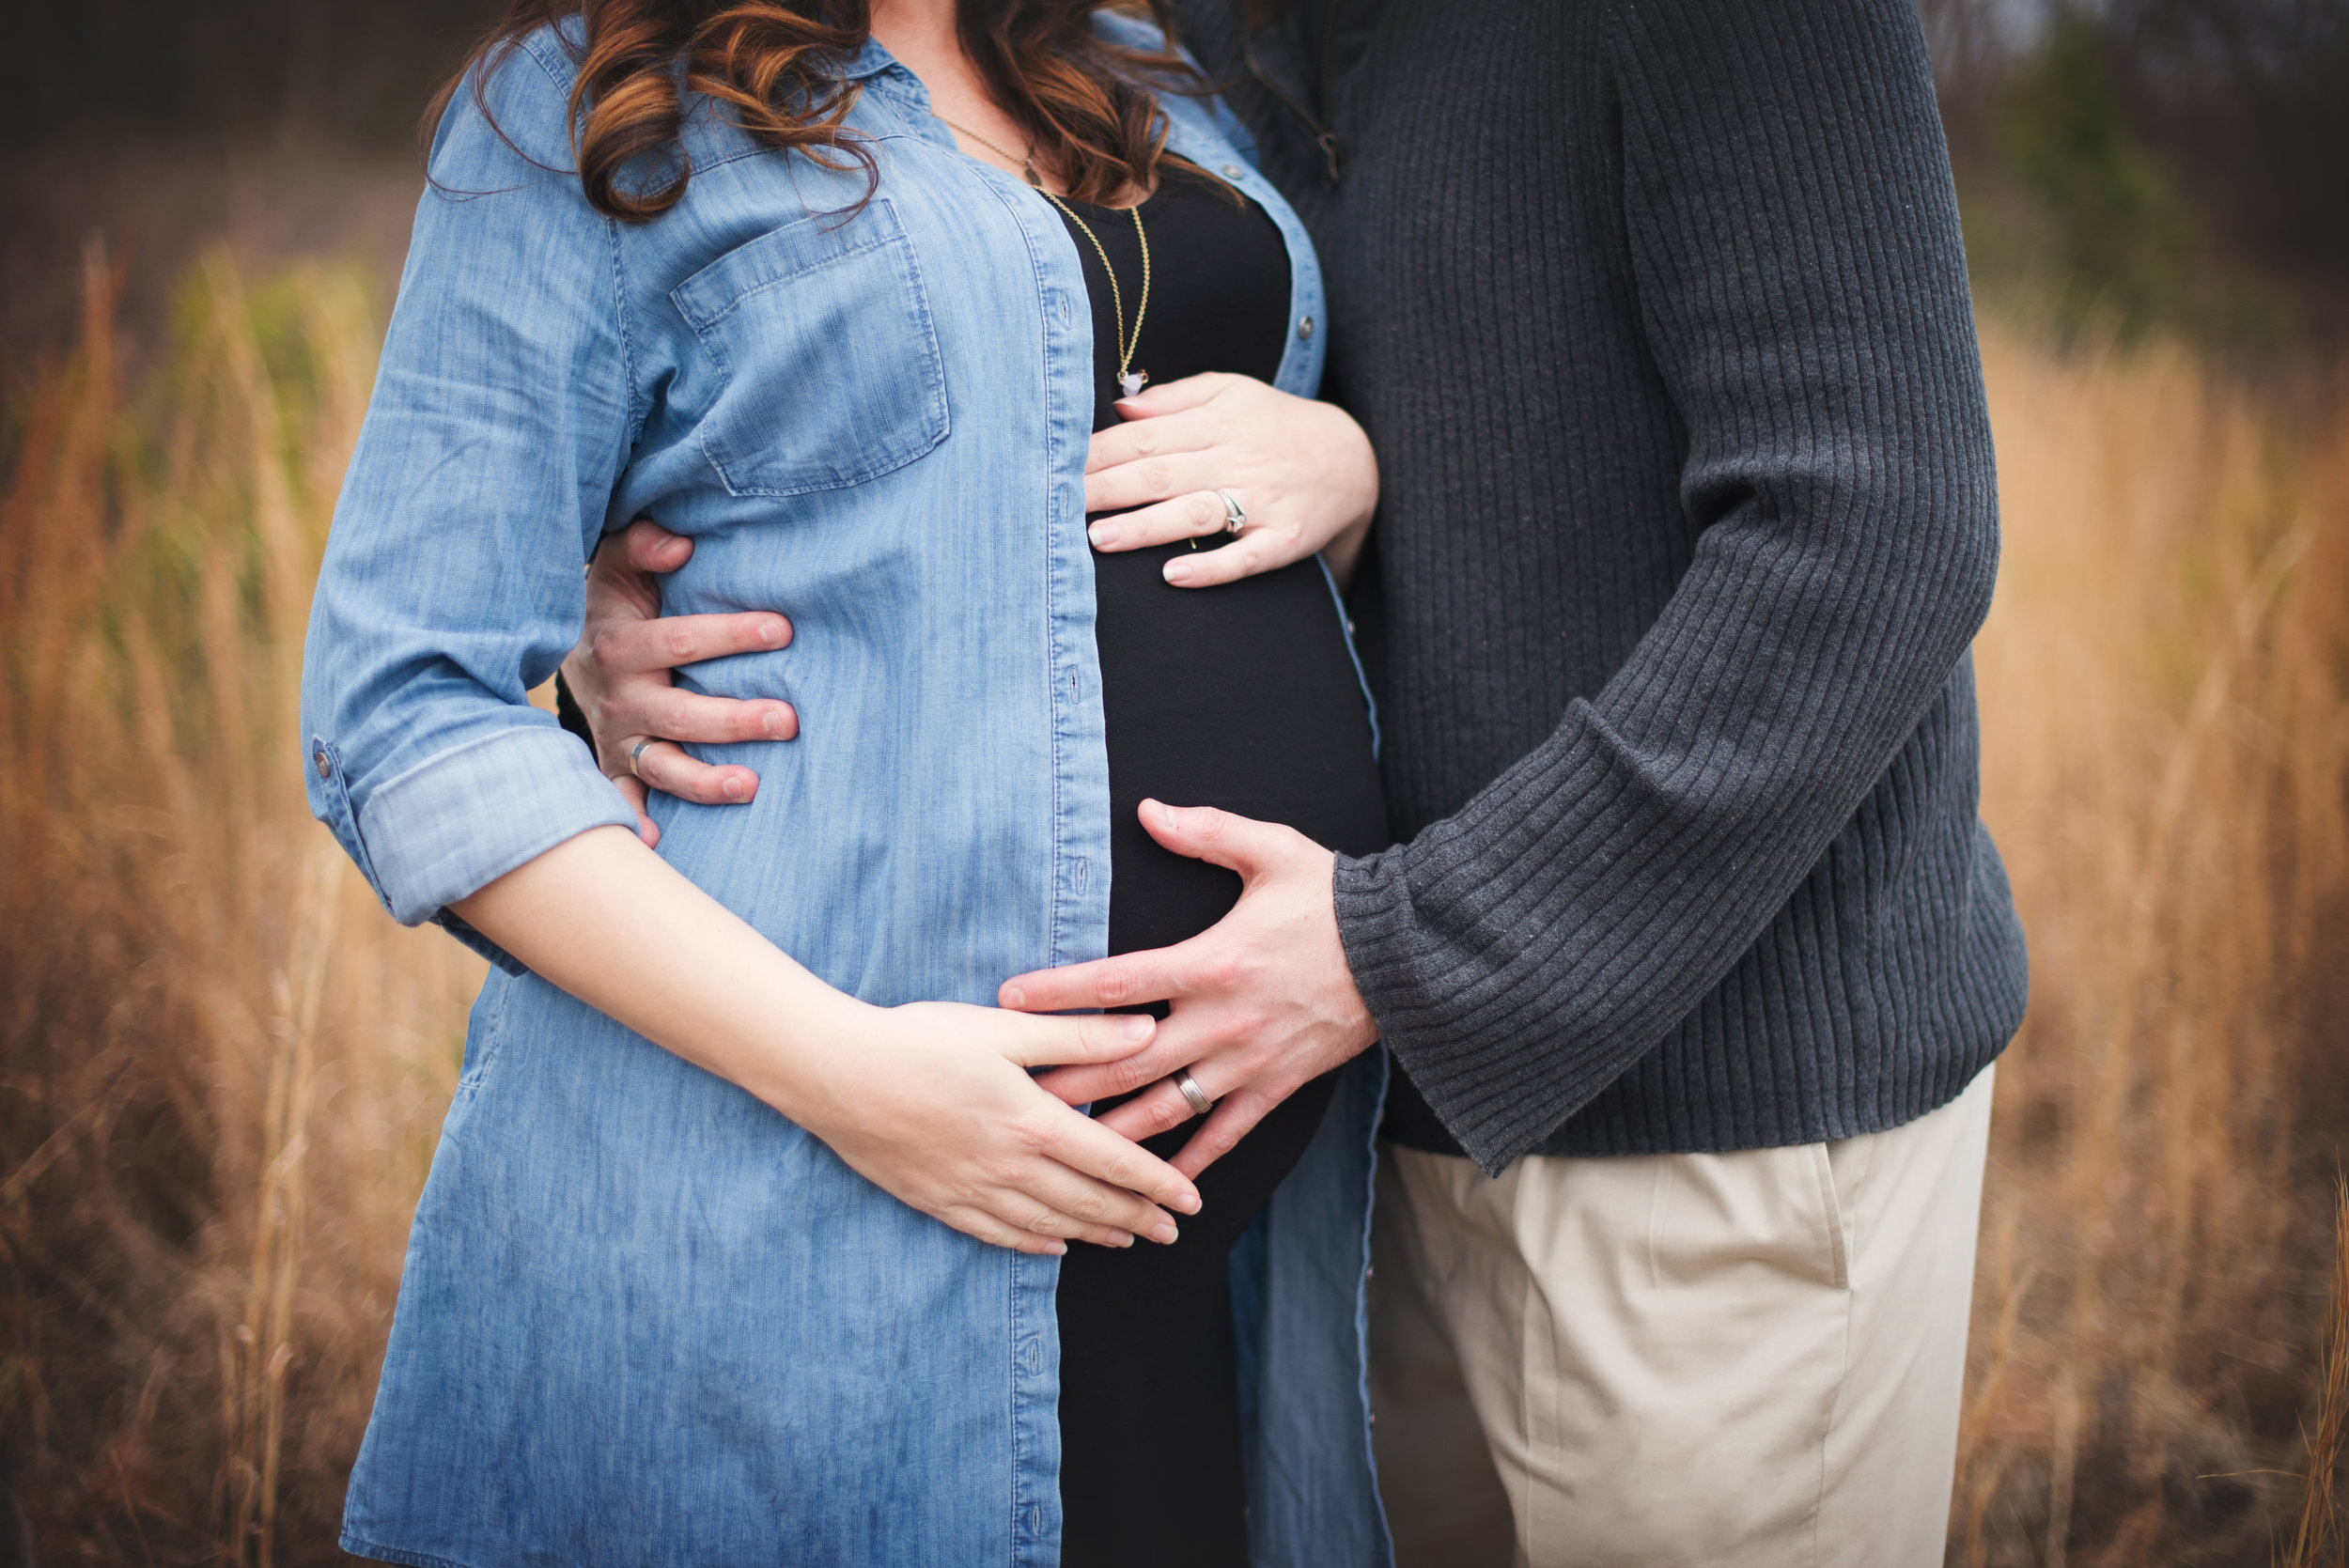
x=653, y=549
x=1239, y=844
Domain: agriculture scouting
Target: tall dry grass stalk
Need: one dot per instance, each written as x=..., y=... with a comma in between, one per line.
x=225, y=1067
x=2316, y=1535
x=2164, y=690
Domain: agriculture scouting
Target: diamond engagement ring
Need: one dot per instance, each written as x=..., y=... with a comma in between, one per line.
x=1234, y=515
x=1199, y=1104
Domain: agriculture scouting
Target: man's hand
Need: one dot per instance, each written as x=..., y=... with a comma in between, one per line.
x=620, y=676
x=1263, y=1001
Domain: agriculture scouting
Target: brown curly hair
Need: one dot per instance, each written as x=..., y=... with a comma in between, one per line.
x=772, y=65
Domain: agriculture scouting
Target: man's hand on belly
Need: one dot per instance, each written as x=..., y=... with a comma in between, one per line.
x=621, y=675
x=1262, y=1001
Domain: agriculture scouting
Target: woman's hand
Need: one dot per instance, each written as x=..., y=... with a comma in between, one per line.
x=931, y=1103
x=1302, y=470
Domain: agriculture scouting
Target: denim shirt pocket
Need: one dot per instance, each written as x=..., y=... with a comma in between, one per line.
x=830, y=368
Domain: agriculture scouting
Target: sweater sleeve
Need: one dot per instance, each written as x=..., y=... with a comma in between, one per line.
x=1793, y=237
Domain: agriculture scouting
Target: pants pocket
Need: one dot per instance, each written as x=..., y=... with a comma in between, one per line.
x=1835, y=1218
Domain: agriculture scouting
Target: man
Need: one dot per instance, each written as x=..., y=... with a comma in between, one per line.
x=1693, y=954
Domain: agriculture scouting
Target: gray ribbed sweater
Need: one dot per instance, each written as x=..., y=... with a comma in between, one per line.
x=1657, y=313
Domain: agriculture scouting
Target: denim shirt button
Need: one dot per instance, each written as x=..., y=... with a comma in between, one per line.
x=1233, y=171
x=1305, y=329
x=324, y=766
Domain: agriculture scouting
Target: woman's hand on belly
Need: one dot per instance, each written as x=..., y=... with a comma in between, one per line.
x=1303, y=471
x=931, y=1101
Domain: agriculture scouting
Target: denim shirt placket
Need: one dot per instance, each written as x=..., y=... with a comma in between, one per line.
x=1080, y=827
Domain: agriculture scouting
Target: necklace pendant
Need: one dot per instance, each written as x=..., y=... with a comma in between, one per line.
x=1134, y=382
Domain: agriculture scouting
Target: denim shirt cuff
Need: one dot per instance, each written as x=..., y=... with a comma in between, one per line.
x=456, y=822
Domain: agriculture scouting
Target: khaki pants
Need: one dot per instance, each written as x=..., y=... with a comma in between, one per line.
x=1752, y=1359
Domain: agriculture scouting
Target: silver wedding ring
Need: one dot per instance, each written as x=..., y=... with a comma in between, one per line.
x=1199, y=1104
x=637, y=751
x=1234, y=518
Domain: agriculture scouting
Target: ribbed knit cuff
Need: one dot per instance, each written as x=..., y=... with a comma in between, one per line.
x=1384, y=950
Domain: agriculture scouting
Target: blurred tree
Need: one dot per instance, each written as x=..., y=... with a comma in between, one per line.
x=2250, y=99
x=2070, y=204
x=350, y=72
x=2115, y=235
x=2175, y=161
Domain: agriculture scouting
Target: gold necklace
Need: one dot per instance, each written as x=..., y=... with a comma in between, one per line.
x=1026, y=161
x=1129, y=380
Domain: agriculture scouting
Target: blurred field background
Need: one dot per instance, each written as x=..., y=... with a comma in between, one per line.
x=222, y=1068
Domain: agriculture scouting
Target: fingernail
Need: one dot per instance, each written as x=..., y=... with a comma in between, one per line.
x=1164, y=1232
x=770, y=633
x=1136, y=1027
x=1104, y=533
x=1119, y=1239
x=732, y=789
x=1057, y=1250
x=1188, y=1202
x=1013, y=997
x=1178, y=569
x=772, y=725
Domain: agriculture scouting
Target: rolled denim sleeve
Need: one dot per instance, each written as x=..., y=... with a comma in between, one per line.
x=453, y=579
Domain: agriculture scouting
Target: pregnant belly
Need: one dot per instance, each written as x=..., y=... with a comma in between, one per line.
x=1243, y=696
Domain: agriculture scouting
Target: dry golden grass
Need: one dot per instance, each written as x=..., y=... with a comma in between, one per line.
x=225, y=1067
x=2316, y=1534
x=2164, y=690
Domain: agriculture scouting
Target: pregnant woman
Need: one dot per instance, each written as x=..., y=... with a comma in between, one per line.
x=1241, y=697
x=701, y=1274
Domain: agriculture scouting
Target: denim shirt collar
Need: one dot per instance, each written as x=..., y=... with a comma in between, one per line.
x=1207, y=136
x=870, y=61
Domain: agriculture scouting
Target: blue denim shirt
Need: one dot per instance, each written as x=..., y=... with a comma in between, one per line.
x=645, y=1319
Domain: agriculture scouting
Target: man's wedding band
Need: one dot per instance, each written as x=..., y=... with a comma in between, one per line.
x=637, y=751
x=1199, y=1104
x=1234, y=518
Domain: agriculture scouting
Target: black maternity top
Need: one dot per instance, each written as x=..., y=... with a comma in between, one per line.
x=1241, y=696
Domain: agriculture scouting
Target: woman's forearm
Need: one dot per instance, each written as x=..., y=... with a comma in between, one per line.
x=618, y=928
